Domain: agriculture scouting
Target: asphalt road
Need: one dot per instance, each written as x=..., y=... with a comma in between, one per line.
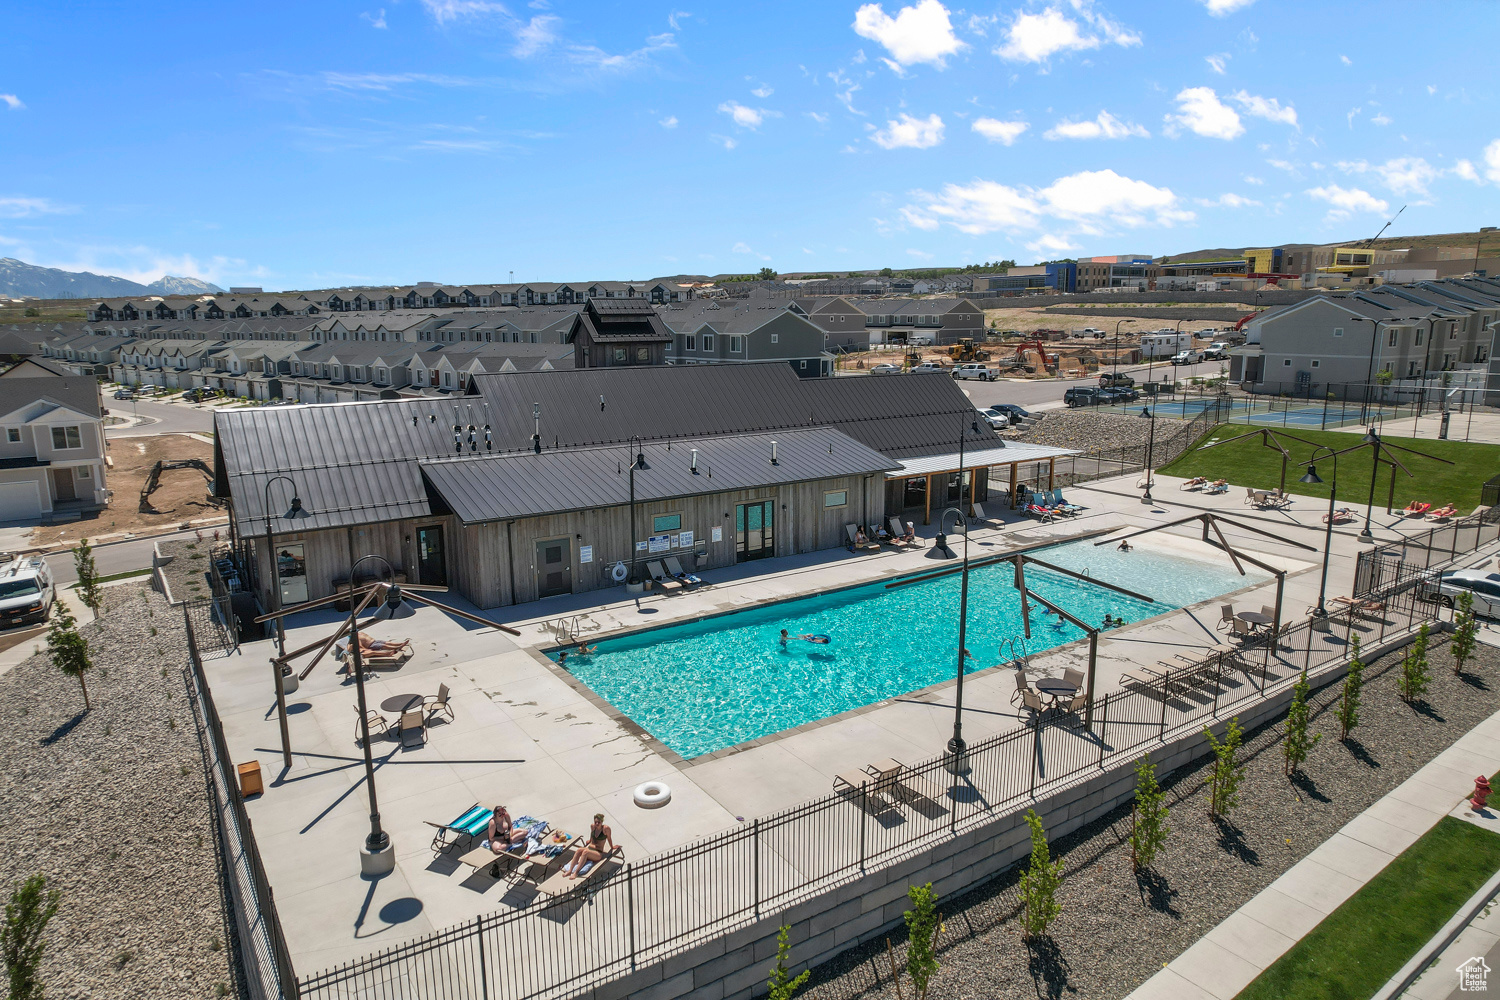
x=112, y=557
x=162, y=418
x=1032, y=394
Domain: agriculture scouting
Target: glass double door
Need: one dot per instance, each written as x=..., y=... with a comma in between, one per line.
x=754, y=532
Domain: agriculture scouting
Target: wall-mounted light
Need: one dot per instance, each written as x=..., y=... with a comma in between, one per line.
x=695, y=461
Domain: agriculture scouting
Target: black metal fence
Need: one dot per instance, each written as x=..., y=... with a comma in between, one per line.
x=644, y=910
x=263, y=951
x=1396, y=563
x=213, y=625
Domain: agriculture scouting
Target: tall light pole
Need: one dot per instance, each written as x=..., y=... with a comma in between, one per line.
x=637, y=461
x=956, y=746
x=1371, y=438
x=294, y=511
x=1333, y=491
x=1150, y=448
x=378, y=843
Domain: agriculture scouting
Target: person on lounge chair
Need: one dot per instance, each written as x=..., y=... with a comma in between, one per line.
x=1447, y=510
x=860, y=538
x=882, y=535
x=382, y=647
x=498, y=835
x=593, y=851
x=1416, y=509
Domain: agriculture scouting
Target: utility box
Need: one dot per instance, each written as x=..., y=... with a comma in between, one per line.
x=250, y=783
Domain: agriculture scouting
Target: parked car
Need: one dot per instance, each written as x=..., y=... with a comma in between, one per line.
x=1083, y=396
x=1125, y=393
x=928, y=368
x=1485, y=587
x=997, y=419
x=124, y=394
x=1016, y=413
x=886, y=369
x=1189, y=357
x=1089, y=331
x=1217, y=351
x=1114, y=379
x=26, y=591
x=974, y=370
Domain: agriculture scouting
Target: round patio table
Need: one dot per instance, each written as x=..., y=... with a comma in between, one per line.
x=1056, y=688
x=399, y=703
x=1256, y=618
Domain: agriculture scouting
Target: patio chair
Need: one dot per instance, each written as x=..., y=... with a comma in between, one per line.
x=1031, y=700
x=1074, y=677
x=413, y=728
x=439, y=703
x=664, y=581
x=1242, y=629
x=852, y=530
x=901, y=532
x=374, y=720
x=1079, y=703
x=679, y=574
x=873, y=790
x=1269, y=611
x=471, y=823
x=1020, y=687
x=1226, y=617
x=559, y=885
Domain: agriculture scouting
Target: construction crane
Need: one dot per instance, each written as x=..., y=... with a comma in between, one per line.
x=1371, y=241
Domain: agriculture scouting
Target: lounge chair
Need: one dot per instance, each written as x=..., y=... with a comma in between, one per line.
x=901, y=532
x=664, y=581
x=872, y=789
x=904, y=780
x=1196, y=483
x=1443, y=513
x=1360, y=605
x=439, y=703
x=374, y=720
x=485, y=857
x=1068, y=507
x=1416, y=509
x=980, y=517
x=558, y=885
x=471, y=823
x=678, y=573
x=1043, y=514
x=1216, y=487
x=1340, y=516
x=852, y=530
x=373, y=660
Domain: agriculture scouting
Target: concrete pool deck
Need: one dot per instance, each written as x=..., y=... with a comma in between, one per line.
x=526, y=734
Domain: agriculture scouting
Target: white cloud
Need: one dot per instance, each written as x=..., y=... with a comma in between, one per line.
x=1091, y=197
x=1105, y=126
x=1346, y=60
x=920, y=253
x=12, y=101
x=1227, y=200
x=817, y=116
x=1217, y=62
x=723, y=140
x=535, y=35
x=744, y=117
x=1265, y=107
x=1201, y=111
x=1251, y=179
x=443, y=11
x=1223, y=8
x=744, y=248
x=668, y=122
x=1037, y=37
x=918, y=34
x=909, y=132
x=1431, y=88
x=763, y=91
x=593, y=57
x=1492, y=161
x=23, y=208
x=1464, y=169
x=1290, y=168
x=844, y=89
x=1347, y=200
x=996, y=130
x=1381, y=119
x=377, y=20
x=1050, y=245
x=1403, y=175
x=1353, y=113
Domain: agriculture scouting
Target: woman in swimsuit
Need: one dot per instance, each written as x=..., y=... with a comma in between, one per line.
x=594, y=851
x=500, y=830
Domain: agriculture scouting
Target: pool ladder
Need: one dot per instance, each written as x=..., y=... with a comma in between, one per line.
x=1018, y=662
x=566, y=630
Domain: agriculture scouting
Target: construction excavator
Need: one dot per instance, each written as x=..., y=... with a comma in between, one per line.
x=153, y=480
x=1046, y=363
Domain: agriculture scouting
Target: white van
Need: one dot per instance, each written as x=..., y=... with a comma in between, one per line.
x=26, y=591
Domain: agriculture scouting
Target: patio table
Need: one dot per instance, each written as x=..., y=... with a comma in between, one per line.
x=1056, y=689
x=399, y=704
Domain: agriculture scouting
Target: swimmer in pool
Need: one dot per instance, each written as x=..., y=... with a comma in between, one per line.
x=1125, y=545
x=584, y=649
x=821, y=640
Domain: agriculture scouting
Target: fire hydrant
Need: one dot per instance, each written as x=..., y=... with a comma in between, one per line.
x=1481, y=793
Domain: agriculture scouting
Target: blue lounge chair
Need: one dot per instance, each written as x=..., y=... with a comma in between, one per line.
x=471, y=823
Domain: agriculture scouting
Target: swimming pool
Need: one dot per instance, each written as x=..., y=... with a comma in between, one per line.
x=705, y=685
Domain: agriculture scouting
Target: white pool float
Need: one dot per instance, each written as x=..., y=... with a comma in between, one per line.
x=652, y=795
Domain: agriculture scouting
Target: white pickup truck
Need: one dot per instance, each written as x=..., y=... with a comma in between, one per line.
x=1188, y=357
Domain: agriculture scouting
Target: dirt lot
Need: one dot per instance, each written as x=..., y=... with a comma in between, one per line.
x=1029, y=320
x=182, y=494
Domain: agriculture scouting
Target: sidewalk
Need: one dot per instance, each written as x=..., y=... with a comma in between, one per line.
x=1229, y=957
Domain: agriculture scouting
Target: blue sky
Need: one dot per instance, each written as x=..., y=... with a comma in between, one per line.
x=327, y=143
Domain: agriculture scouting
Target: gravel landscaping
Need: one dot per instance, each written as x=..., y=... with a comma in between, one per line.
x=1087, y=429
x=112, y=806
x=1116, y=930
x=187, y=573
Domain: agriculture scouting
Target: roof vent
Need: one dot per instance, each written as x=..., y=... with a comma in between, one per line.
x=773, y=454
x=695, y=461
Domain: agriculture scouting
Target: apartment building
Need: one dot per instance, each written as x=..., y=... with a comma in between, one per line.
x=748, y=330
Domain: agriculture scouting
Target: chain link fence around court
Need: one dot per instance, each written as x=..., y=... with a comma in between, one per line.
x=262, y=950
x=640, y=911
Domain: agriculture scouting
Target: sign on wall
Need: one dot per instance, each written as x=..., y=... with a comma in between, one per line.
x=718, y=534
x=685, y=540
x=585, y=553
x=660, y=543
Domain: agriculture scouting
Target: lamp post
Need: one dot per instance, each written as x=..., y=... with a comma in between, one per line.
x=956, y=746
x=637, y=461
x=1371, y=438
x=1333, y=490
x=1117, y=345
x=378, y=843
x=294, y=511
x=1150, y=448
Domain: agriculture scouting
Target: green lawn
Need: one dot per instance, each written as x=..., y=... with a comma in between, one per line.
x=1250, y=463
x=1363, y=943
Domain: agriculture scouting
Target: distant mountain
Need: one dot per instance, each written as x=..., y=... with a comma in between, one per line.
x=172, y=285
x=19, y=278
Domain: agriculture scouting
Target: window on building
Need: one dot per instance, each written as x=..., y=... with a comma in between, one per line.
x=619, y=354
x=1286, y=362
x=1316, y=362
x=708, y=341
x=83, y=472
x=736, y=345
x=13, y=435
x=1338, y=331
x=66, y=437
x=1419, y=337
x=643, y=354
x=692, y=342
x=775, y=338
x=662, y=523
x=1394, y=336
x=836, y=498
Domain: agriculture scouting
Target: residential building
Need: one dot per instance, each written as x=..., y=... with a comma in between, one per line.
x=52, y=453
x=842, y=322
x=615, y=333
x=915, y=321
x=747, y=330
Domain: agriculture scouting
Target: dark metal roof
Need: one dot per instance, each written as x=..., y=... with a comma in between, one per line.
x=553, y=482
x=899, y=417
x=619, y=320
x=75, y=392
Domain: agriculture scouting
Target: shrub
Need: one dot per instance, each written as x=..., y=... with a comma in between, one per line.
x=1354, y=682
x=1224, y=783
x=1297, y=743
x=1039, y=882
x=1414, y=676
x=1148, y=818
x=782, y=984
x=923, y=924
x=27, y=914
x=89, y=590
x=69, y=650
x=1465, y=632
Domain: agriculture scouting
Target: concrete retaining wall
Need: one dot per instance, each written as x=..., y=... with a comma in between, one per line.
x=735, y=966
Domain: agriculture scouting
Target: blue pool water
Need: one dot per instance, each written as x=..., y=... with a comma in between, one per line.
x=703, y=686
